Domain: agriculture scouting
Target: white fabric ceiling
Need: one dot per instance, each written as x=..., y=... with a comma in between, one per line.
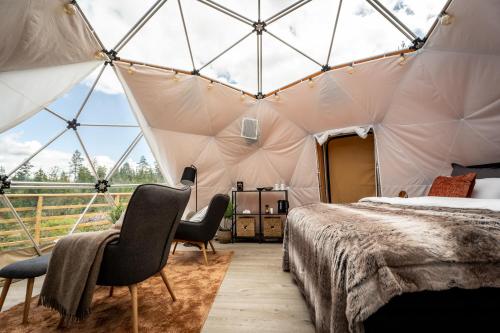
x=44, y=51
x=441, y=106
x=41, y=34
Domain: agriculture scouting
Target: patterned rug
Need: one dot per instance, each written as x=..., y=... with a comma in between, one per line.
x=194, y=284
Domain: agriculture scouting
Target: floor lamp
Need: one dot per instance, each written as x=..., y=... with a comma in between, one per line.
x=189, y=178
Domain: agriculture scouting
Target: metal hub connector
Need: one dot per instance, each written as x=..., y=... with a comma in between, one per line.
x=4, y=183
x=72, y=124
x=102, y=186
x=259, y=27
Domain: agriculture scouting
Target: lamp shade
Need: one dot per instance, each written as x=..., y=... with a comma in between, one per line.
x=188, y=176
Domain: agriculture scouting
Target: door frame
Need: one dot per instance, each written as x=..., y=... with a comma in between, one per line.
x=326, y=175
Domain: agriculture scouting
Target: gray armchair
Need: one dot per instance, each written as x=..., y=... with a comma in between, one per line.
x=148, y=228
x=201, y=233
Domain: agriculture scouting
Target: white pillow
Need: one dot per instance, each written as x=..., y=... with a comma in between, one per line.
x=486, y=188
x=199, y=215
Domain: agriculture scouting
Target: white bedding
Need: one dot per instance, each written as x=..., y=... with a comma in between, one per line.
x=491, y=204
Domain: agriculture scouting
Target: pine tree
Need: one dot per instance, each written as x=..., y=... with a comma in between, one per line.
x=84, y=175
x=102, y=171
x=143, y=170
x=63, y=177
x=54, y=174
x=158, y=175
x=40, y=176
x=126, y=174
x=75, y=164
x=24, y=172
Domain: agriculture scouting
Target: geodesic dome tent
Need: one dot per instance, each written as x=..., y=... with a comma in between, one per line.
x=430, y=103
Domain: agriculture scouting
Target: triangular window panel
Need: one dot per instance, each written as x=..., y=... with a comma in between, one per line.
x=418, y=15
x=113, y=19
x=282, y=65
x=238, y=67
x=62, y=161
x=247, y=8
x=363, y=32
x=108, y=104
x=210, y=32
x=12, y=235
x=68, y=105
x=161, y=41
x=269, y=8
x=106, y=145
x=100, y=214
x=139, y=167
x=20, y=142
x=309, y=28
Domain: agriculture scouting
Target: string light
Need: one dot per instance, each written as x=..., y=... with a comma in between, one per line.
x=402, y=59
x=242, y=96
x=350, y=68
x=131, y=69
x=445, y=19
x=277, y=96
x=100, y=55
x=176, y=76
x=310, y=82
x=70, y=9
x=210, y=84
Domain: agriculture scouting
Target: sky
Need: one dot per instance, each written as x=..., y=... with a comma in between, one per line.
x=361, y=32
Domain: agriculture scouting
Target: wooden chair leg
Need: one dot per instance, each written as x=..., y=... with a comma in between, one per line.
x=204, y=250
x=111, y=289
x=27, y=301
x=165, y=280
x=212, y=246
x=135, y=311
x=5, y=290
x=175, y=246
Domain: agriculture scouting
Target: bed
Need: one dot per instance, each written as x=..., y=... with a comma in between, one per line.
x=353, y=262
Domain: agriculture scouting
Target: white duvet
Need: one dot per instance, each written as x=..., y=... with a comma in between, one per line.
x=472, y=203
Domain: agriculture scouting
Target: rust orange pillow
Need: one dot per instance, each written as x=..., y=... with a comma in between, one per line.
x=455, y=186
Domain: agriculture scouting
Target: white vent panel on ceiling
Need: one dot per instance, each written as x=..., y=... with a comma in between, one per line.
x=250, y=128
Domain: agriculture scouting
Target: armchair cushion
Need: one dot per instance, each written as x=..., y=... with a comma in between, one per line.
x=26, y=269
x=199, y=215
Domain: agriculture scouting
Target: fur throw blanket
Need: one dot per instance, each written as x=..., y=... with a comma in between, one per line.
x=350, y=260
x=72, y=273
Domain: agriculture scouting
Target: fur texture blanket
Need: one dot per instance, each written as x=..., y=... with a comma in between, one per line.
x=350, y=260
x=72, y=273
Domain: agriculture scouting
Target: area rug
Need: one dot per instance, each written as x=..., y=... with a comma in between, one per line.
x=195, y=285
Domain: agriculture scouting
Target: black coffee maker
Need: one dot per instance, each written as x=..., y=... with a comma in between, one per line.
x=282, y=206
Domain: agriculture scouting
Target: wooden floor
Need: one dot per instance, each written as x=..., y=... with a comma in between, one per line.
x=255, y=296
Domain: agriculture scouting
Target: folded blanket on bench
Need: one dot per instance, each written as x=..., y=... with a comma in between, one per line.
x=72, y=273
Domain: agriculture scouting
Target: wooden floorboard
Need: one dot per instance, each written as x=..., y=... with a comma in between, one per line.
x=256, y=295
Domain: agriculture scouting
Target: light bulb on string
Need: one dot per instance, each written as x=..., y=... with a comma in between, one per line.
x=131, y=69
x=350, y=68
x=445, y=19
x=70, y=9
x=310, y=82
x=277, y=96
x=210, y=84
x=176, y=76
x=100, y=55
x=402, y=59
x=242, y=96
